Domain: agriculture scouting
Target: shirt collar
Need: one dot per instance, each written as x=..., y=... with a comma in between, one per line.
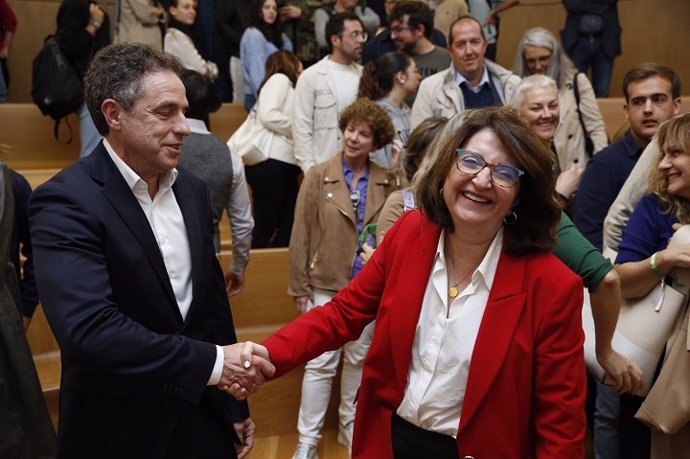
x=630, y=145
x=134, y=181
x=486, y=271
x=197, y=126
x=348, y=172
x=460, y=78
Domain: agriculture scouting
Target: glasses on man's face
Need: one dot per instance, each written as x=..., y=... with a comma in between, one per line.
x=401, y=28
x=359, y=34
x=471, y=163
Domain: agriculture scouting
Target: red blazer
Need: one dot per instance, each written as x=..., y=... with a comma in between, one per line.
x=526, y=389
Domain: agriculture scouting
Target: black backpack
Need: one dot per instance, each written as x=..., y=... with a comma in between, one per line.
x=55, y=86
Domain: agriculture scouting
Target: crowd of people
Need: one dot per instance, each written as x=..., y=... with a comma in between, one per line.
x=442, y=212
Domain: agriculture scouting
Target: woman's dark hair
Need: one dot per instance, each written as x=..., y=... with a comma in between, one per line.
x=536, y=205
x=378, y=77
x=364, y=110
x=284, y=62
x=272, y=32
x=419, y=142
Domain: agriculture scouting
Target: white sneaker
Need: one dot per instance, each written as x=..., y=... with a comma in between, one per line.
x=305, y=451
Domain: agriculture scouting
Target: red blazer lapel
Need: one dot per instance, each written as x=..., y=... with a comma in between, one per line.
x=496, y=332
x=419, y=251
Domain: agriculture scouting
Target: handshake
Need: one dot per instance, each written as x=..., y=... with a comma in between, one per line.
x=245, y=367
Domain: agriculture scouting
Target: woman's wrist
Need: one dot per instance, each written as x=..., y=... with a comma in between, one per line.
x=654, y=266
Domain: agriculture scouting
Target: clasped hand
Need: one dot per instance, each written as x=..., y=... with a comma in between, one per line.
x=246, y=366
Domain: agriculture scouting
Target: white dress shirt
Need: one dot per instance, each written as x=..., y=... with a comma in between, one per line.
x=165, y=219
x=443, y=344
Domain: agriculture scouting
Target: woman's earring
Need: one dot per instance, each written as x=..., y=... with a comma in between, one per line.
x=510, y=218
x=440, y=192
x=402, y=80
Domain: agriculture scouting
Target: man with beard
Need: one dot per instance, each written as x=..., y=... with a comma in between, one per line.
x=411, y=25
x=325, y=89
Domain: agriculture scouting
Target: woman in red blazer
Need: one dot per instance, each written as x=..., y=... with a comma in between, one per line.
x=477, y=350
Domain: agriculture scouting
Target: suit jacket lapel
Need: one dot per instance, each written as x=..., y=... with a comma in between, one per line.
x=116, y=190
x=496, y=331
x=193, y=223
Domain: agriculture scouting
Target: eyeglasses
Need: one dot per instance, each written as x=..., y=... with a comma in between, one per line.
x=471, y=163
x=359, y=34
x=400, y=29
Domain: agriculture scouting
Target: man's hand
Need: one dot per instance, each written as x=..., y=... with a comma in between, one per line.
x=246, y=432
x=233, y=283
x=96, y=13
x=245, y=367
x=290, y=12
x=27, y=322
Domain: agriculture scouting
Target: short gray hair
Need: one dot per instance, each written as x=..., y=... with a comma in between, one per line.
x=531, y=82
x=116, y=72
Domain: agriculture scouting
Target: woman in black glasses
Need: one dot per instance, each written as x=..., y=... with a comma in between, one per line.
x=477, y=350
x=336, y=201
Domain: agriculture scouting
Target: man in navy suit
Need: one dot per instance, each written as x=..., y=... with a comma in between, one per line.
x=126, y=270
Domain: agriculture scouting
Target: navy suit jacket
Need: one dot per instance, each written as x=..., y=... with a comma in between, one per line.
x=130, y=363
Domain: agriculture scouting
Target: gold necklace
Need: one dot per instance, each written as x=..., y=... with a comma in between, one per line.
x=453, y=289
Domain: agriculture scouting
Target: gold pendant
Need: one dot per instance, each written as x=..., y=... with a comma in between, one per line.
x=452, y=292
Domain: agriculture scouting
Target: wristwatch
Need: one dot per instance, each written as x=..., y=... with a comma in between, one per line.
x=95, y=23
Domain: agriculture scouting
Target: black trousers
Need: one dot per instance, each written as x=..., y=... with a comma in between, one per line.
x=274, y=194
x=412, y=442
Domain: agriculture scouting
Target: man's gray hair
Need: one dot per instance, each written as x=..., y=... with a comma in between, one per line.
x=116, y=72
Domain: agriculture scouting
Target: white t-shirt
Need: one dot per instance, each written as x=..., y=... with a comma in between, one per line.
x=347, y=83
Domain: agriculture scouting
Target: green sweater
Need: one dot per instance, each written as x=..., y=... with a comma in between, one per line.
x=580, y=255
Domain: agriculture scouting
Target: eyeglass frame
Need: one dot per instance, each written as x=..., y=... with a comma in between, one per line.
x=401, y=28
x=461, y=151
x=356, y=33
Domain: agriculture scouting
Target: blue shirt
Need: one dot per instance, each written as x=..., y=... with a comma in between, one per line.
x=648, y=231
x=360, y=190
x=254, y=50
x=604, y=176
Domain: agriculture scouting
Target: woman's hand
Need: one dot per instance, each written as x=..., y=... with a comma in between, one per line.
x=568, y=181
x=366, y=253
x=301, y=303
x=673, y=257
x=621, y=374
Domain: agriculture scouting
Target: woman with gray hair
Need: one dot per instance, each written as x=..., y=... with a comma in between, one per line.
x=536, y=101
x=582, y=131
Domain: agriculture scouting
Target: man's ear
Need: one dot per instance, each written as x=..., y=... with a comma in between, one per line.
x=112, y=112
x=335, y=41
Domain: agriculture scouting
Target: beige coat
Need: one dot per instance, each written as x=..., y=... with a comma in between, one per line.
x=138, y=24
x=323, y=243
x=569, y=138
x=439, y=94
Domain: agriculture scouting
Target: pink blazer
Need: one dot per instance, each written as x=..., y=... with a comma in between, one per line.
x=526, y=388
